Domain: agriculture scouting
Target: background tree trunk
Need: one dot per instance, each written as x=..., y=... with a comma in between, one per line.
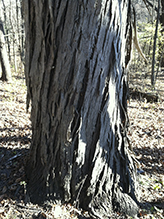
x=4, y=61
x=6, y=29
x=162, y=24
x=12, y=18
x=162, y=15
x=75, y=74
x=153, y=76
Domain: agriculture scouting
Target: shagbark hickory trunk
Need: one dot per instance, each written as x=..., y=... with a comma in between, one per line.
x=75, y=74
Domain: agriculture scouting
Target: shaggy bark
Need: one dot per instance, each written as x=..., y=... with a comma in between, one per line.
x=4, y=61
x=75, y=74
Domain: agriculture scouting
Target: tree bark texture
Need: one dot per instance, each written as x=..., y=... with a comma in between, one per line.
x=4, y=61
x=76, y=80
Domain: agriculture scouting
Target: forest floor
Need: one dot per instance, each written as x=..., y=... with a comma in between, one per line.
x=146, y=134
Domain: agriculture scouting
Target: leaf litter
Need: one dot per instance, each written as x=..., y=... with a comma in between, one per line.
x=146, y=134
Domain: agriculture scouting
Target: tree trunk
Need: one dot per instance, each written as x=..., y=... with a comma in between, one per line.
x=6, y=29
x=75, y=75
x=162, y=31
x=4, y=61
x=162, y=15
x=153, y=76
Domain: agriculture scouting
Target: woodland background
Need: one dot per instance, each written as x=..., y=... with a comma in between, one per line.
x=145, y=108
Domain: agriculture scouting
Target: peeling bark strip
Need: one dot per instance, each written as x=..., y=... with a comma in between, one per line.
x=75, y=61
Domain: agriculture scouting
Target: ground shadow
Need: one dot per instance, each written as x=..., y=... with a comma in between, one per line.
x=12, y=161
x=25, y=139
x=151, y=158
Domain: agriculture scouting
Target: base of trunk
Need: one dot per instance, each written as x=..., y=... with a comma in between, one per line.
x=99, y=207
